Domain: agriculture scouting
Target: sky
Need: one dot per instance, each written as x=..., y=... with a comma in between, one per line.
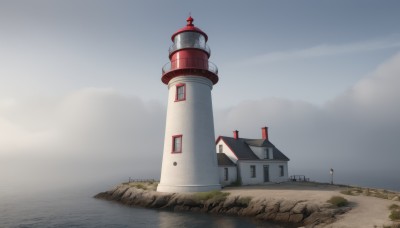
x=81, y=97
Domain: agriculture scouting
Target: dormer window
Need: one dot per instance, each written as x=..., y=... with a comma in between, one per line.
x=180, y=92
x=265, y=153
x=220, y=148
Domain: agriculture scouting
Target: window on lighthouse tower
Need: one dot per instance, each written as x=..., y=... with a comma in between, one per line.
x=177, y=144
x=180, y=92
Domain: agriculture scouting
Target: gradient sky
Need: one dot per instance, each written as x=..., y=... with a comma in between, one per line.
x=80, y=83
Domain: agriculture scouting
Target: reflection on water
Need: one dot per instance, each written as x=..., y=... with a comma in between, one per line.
x=169, y=219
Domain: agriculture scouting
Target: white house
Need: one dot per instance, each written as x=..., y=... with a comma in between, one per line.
x=250, y=161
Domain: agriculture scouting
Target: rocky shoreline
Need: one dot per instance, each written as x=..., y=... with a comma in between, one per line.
x=297, y=212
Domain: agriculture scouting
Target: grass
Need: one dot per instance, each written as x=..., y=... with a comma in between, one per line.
x=212, y=195
x=338, y=201
x=352, y=192
x=143, y=185
x=395, y=225
x=378, y=193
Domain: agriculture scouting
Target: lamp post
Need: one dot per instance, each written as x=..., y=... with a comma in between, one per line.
x=331, y=172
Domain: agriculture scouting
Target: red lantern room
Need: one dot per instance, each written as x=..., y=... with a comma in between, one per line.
x=189, y=55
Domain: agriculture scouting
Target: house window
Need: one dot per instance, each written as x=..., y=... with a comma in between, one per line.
x=177, y=144
x=266, y=153
x=220, y=149
x=226, y=174
x=180, y=92
x=281, y=171
x=253, y=171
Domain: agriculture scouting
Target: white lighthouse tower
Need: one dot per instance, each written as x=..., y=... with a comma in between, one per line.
x=189, y=159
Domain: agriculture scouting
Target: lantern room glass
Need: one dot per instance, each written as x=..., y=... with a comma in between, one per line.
x=190, y=39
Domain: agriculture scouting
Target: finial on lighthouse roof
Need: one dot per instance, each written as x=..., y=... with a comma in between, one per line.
x=189, y=28
x=190, y=21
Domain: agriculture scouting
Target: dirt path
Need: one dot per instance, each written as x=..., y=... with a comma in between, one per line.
x=367, y=211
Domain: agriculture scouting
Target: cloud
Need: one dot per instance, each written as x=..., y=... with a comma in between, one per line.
x=88, y=136
x=326, y=50
x=374, y=97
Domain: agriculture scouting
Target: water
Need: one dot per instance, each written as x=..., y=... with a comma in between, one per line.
x=77, y=208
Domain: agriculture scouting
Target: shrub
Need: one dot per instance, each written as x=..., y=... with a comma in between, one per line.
x=394, y=215
x=381, y=195
x=395, y=212
x=352, y=191
x=346, y=192
x=394, y=207
x=338, y=201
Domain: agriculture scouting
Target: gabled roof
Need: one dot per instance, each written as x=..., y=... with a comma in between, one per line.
x=224, y=160
x=241, y=148
x=259, y=142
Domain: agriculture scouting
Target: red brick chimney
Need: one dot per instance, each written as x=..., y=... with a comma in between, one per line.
x=264, y=131
x=235, y=134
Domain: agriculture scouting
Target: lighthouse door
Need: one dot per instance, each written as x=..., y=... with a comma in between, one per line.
x=266, y=173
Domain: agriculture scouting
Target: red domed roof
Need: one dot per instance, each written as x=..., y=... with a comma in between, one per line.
x=189, y=27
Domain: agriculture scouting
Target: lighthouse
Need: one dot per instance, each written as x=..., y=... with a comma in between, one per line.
x=189, y=158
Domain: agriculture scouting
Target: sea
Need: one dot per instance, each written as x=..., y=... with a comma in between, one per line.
x=50, y=204
x=76, y=207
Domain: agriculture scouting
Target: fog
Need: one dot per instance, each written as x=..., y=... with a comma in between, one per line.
x=101, y=135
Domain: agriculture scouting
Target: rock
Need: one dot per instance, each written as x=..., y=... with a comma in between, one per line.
x=189, y=201
x=146, y=199
x=102, y=195
x=311, y=208
x=266, y=216
x=132, y=193
x=242, y=201
x=295, y=218
x=216, y=209
x=172, y=201
x=296, y=212
x=270, y=210
x=282, y=217
x=117, y=194
x=160, y=201
x=318, y=218
x=286, y=206
x=230, y=201
x=233, y=211
x=254, y=208
x=272, y=207
x=299, y=208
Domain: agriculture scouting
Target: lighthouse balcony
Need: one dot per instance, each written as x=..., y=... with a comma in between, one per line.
x=190, y=63
x=175, y=47
x=189, y=66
